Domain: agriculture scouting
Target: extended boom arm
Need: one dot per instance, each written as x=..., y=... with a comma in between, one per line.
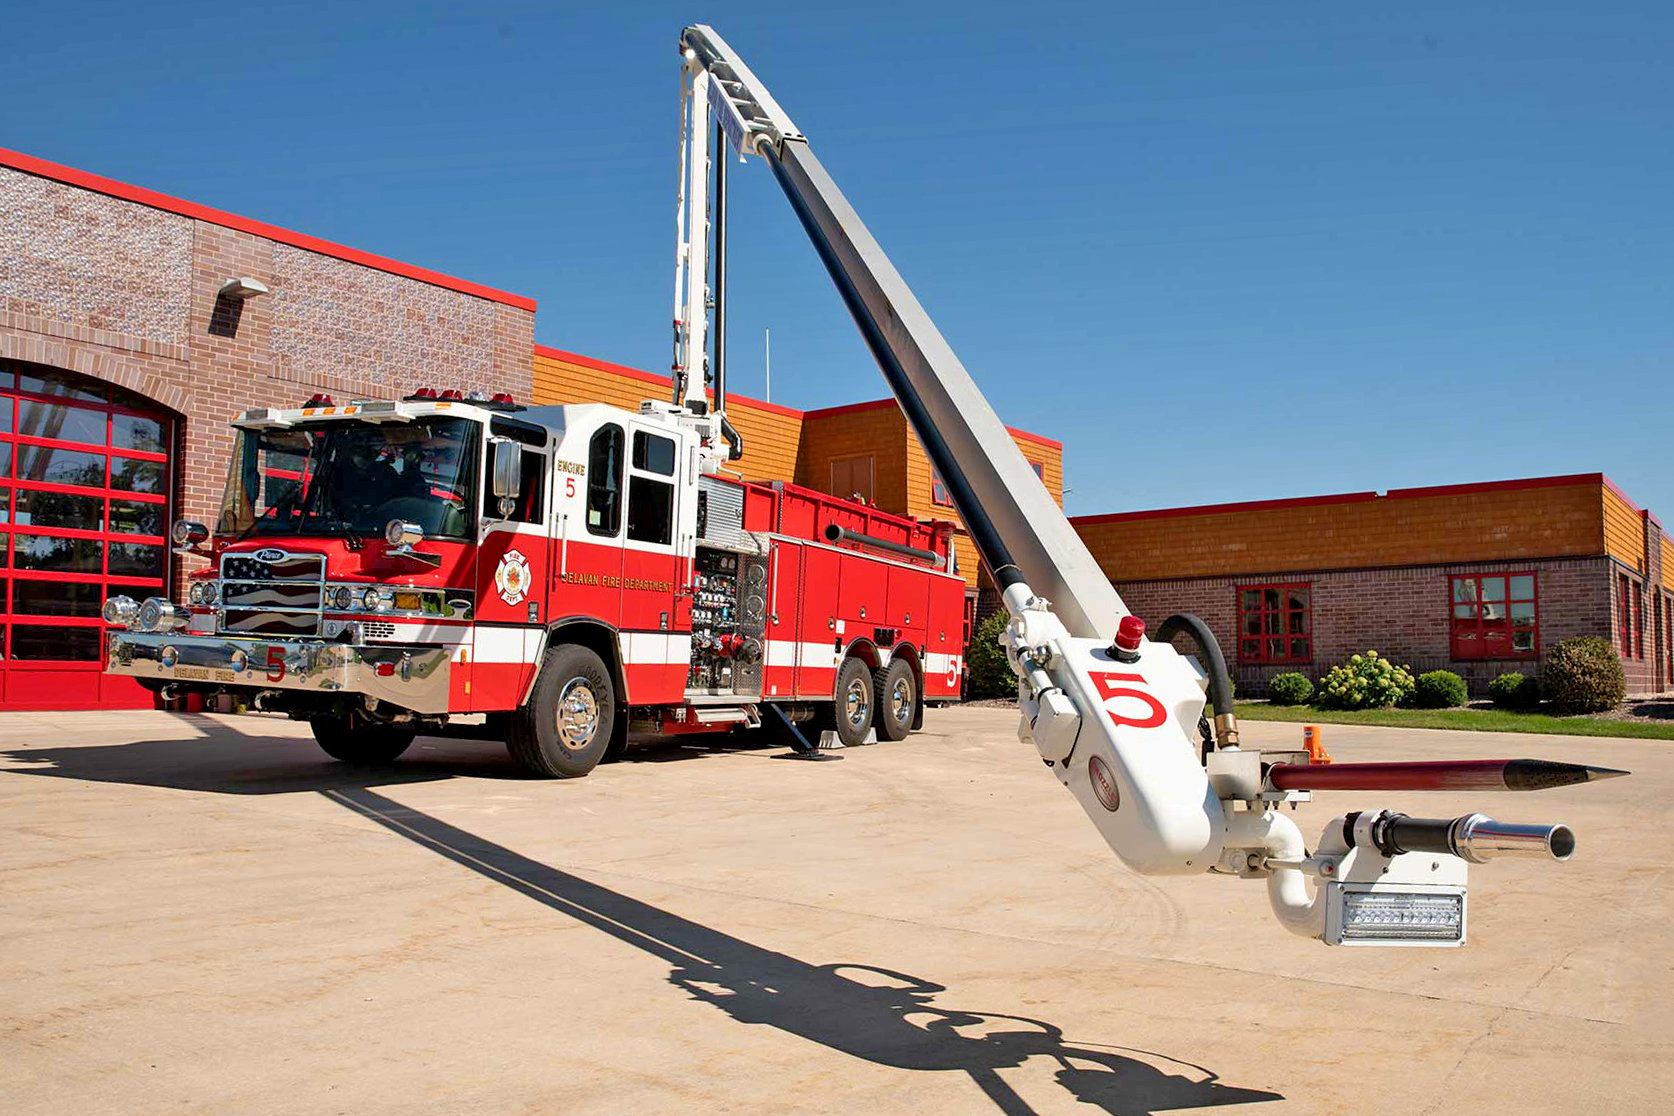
x=1111, y=717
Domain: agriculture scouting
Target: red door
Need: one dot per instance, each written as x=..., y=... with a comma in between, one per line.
x=84, y=483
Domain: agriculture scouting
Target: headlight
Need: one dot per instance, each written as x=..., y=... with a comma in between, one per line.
x=157, y=614
x=121, y=611
x=342, y=598
x=201, y=593
x=371, y=601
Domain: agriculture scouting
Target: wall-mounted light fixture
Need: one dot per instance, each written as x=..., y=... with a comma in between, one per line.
x=242, y=289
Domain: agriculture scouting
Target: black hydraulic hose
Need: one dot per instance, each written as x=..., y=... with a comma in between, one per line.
x=836, y=534
x=1220, y=680
x=983, y=533
x=718, y=335
x=735, y=440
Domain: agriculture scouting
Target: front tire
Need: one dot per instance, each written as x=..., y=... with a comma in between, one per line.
x=354, y=739
x=896, y=689
x=567, y=725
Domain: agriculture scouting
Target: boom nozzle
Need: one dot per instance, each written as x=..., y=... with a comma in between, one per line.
x=1477, y=838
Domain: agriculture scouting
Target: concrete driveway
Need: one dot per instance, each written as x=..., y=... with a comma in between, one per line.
x=203, y=915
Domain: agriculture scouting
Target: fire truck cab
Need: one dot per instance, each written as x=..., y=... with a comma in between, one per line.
x=572, y=571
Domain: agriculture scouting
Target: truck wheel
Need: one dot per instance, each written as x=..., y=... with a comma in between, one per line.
x=855, y=702
x=354, y=739
x=567, y=724
x=896, y=693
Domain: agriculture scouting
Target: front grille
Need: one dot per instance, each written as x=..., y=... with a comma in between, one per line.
x=377, y=629
x=272, y=592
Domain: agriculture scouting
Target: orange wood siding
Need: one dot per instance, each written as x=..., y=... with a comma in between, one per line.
x=772, y=437
x=920, y=503
x=1667, y=563
x=562, y=381
x=1624, y=530
x=1486, y=524
x=850, y=432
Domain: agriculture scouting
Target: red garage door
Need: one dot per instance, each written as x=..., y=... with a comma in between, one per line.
x=84, y=484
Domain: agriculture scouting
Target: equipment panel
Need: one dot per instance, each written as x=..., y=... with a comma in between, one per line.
x=729, y=613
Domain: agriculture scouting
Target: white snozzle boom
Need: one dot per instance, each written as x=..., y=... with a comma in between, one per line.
x=1115, y=714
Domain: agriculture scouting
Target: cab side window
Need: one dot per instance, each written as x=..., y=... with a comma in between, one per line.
x=529, y=506
x=653, y=453
x=604, y=482
x=530, y=502
x=651, y=501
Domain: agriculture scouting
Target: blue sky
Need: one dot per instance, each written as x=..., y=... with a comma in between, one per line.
x=1224, y=251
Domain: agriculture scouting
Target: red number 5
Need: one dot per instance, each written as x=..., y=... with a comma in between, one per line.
x=1156, y=714
x=275, y=664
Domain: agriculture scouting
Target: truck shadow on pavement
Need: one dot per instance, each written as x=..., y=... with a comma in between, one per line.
x=219, y=761
x=881, y=1016
x=884, y=1017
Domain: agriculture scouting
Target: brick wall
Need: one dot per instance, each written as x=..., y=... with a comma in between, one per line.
x=125, y=291
x=1648, y=664
x=1401, y=612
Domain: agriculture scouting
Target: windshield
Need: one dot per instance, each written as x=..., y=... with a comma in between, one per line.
x=352, y=478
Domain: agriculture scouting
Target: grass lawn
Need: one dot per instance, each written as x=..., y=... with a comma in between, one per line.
x=1478, y=720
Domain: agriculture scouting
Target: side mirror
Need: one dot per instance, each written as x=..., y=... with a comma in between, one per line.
x=508, y=472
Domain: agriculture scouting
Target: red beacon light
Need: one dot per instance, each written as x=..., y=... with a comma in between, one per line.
x=423, y=393
x=504, y=399
x=1130, y=633
x=452, y=395
x=319, y=399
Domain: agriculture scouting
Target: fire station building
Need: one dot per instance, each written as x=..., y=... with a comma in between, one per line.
x=1479, y=579
x=133, y=325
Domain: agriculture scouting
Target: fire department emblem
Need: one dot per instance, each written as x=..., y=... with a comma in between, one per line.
x=512, y=577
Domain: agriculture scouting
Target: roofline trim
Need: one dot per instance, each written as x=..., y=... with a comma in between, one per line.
x=881, y=404
x=652, y=378
x=760, y=404
x=1565, y=481
x=98, y=184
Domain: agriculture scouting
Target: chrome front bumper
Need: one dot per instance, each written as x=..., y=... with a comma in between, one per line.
x=414, y=678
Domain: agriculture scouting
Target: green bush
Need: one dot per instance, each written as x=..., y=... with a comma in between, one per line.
x=1515, y=690
x=1366, y=681
x=1289, y=688
x=985, y=660
x=1583, y=675
x=1439, y=689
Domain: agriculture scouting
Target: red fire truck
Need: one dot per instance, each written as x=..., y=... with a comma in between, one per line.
x=572, y=571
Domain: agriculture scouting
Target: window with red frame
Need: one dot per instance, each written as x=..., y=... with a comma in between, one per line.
x=1668, y=633
x=938, y=491
x=1638, y=624
x=1624, y=614
x=1040, y=470
x=1275, y=624
x=1495, y=616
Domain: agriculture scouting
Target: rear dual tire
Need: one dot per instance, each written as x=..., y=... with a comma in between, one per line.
x=895, y=697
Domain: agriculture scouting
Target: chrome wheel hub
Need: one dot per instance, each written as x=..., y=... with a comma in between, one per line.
x=577, y=715
x=901, y=701
x=857, y=705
